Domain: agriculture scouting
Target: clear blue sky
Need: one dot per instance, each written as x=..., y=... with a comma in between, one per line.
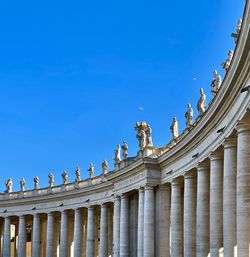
x=73, y=75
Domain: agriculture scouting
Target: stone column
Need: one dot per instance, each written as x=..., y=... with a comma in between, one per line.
x=36, y=236
x=56, y=238
x=189, y=229
x=133, y=224
x=216, y=204
x=78, y=233
x=202, y=222
x=229, y=197
x=91, y=232
x=50, y=235
x=140, y=222
x=6, y=237
x=63, y=248
x=97, y=230
x=243, y=190
x=116, y=227
x=110, y=230
x=21, y=250
x=124, y=227
x=104, y=231
x=162, y=221
x=176, y=219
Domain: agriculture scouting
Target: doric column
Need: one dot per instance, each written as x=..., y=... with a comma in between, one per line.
x=78, y=233
x=202, y=222
x=21, y=250
x=133, y=224
x=162, y=221
x=97, y=230
x=104, y=231
x=50, y=235
x=243, y=190
x=110, y=230
x=176, y=219
x=229, y=197
x=6, y=237
x=140, y=222
x=189, y=229
x=36, y=235
x=116, y=227
x=56, y=238
x=63, y=248
x=216, y=204
x=124, y=227
x=91, y=232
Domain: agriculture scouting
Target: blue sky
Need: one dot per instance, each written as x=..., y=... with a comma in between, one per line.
x=74, y=74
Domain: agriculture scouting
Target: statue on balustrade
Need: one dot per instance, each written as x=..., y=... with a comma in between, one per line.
x=36, y=182
x=144, y=134
x=189, y=116
x=125, y=150
x=22, y=184
x=117, y=158
x=91, y=170
x=201, y=106
x=65, y=177
x=105, y=167
x=216, y=83
x=227, y=63
x=9, y=185
x=236, y=34
x=174, y=128
x=51, y=179
x=78, y=174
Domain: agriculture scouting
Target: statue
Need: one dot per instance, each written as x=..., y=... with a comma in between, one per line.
x=227, y=63
x=51, y=179
x=201, y=106
x=91, y=170
x=78, y=174
x=236, y=34
x=144, y=134
x=36, y=182
x=65, y=177
x=216, y=83
x=105, y=167
x=117, y=158
x=9, y=185
x=174, y=128
x=189, y=116
x=125, y=150
x=22, y=184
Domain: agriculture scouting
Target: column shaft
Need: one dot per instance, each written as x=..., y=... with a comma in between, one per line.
x=140, y=223
x=104, y=231
x=63, y=247
x=6, y=237
x=124, y=227
x=21, y=250
x=78, y=233
x=91, y=233
x=50, y=235
x=116, y=227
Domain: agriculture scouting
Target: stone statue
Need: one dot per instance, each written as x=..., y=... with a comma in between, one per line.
x=227, y=63
x=105, y=167
x=216, y=83
x=144, y=134
x=51, y=179
x=201, y=106
x=189, y=116
x=65, y=177
x=78, y=174
x=36, y=182
x=117, y=158
x=236, y=35
x=125, y=150
x=174, y=128
x=22, y=184
x=9, y=185
x=91, y=170
x=149, y=135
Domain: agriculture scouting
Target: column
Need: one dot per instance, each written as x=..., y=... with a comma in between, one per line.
x=189, y=229
x=70, y=236
x=97, y=230
x=124, y=227
x=63, y=248
x=50, y=235
x=91, y=232
x=78, y=233
x=21, y=250
x=116, y=227
x=36, y=236
x=162, y=221
x=56, y=238
x=202, y=222
x=176, y=219
x=140, y=222
x=110, y=230
x=6, y=237
x=243, y=190
x=216, y=204
x=229, y=197
x=133, y=224
x=104, y=231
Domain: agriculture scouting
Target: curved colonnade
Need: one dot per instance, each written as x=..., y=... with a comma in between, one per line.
x=190, y=200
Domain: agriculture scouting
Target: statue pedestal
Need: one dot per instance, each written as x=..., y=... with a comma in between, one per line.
x=145, y=152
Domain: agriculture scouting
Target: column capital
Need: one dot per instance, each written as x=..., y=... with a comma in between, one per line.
x=124, y=196
x=243, y=126
x=164, y=187
x=230, y=142
x=177, y=181
x=189, y=174
x=141, y=190
x=148, y=187
x=202, y=166
x=104, y=205
x=216, y=155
